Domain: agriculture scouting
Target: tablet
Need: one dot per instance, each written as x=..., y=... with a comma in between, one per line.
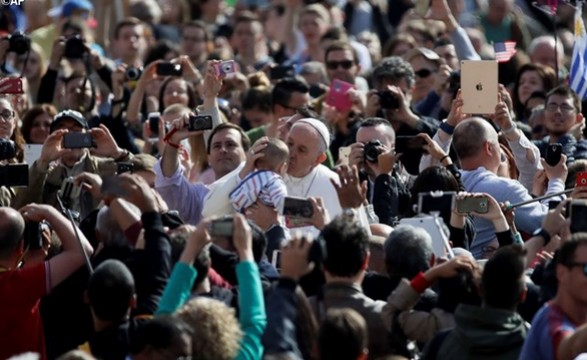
x=479, y=86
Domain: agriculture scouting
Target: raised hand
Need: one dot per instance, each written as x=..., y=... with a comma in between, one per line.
x=351, y=192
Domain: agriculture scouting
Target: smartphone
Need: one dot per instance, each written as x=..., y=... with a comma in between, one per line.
x=78, y=140
x=11, y=85
x=14, y=175
x=200, y=122
x=478, y=205
x=344, y=153
x=124, y=167
x=404, y=144
x=33, y=235
x=281, y=71
x=553, y=154
x=581, y=179
x=552, y=204
x=388, y=100
x=113, y=186
x=153, y=118
x=222, y=227
x=297, y=207
x=479, y=86
x=578, y=216
x=169, y=69
x=338, y=96
x=224, y=68
x=422, y=7
x=441, y=202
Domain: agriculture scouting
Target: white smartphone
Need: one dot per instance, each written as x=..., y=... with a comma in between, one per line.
x=344, y=154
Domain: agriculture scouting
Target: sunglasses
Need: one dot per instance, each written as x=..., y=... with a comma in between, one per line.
x=423, y=73
x=333, y=65
x=582, y=265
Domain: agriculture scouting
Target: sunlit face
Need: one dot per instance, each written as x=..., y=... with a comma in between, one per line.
x=176, y=92
x=424, y=82
x=245, y=37
x=303, y=142
x=313, y=27
x=40, y=128
x=530, y=81
x=340, y=64
x=560, y=114
x=226, y=152
x=7, y=119
x=193, y=42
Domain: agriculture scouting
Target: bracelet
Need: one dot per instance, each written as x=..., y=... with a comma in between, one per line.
x=444, y=126
x=444, y=157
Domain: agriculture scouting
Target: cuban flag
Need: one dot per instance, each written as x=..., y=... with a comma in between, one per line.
x=578, y=73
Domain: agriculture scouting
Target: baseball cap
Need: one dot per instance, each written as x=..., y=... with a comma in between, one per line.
x=67, y=8
x=68, y=114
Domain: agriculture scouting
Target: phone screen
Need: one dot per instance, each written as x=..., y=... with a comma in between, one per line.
x=77, y=140
x=439, y=202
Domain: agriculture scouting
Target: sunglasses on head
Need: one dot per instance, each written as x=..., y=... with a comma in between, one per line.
x=423, y=73
x=333, y=65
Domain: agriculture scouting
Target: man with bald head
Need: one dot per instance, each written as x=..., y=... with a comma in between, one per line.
x=477, y=146
x=23, y=286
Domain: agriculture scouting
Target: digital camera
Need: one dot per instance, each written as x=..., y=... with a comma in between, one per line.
x=19, y=43
x=200, y=122
x=133, y=73
x=7, y=149
x=74, y=47
x=371, y=151
x=225, y=68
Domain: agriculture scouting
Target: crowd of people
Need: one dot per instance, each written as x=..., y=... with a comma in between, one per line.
x=289, y=179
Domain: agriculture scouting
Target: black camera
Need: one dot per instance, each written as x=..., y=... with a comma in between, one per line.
x=124, y=167
x=7, y=149
x=75, y=47
x=133, y=73
x=371, y=151
x=388, y=100
x=454, y=83
x=19, y=43
x=200, y=122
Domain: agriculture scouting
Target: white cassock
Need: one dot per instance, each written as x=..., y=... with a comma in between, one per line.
x=315, y=184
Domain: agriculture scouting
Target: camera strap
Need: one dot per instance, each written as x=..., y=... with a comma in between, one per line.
x=67, y=212
x=26, y=60
x=87, y=78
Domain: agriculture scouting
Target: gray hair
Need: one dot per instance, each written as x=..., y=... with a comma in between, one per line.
x=315, y=68
x=395, y=68
x=108, y=229
x=546, y=39
x=408, y=251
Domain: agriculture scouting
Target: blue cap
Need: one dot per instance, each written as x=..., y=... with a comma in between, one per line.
x=67, y=8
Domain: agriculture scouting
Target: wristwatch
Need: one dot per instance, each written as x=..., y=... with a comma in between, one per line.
x=543, y=233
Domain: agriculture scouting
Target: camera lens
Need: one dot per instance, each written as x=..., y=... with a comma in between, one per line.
x=133, y=73
x=371, y=151
x=19, y=43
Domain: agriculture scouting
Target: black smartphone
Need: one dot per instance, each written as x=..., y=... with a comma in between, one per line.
x=33, y=235
x=169, y=69
x=388, y=100
x=404, y=144
x=78, y=140
x=478, y=205
x=578, y=216
x=222, y=227
x=281, y=71
x=297, y=207
x=153, y=118
x=553, y=154
x=200, y=122
x=113, y=186
x=14, y=175
x=440, y=202
x=124, y=167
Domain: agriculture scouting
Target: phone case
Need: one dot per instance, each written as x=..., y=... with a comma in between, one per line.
x=581, y=179
x=11, y=85
x=469, y=205
x=344, y=154
x=338, y=96
x=169, y=69
x=479, y=86
x=553, y=154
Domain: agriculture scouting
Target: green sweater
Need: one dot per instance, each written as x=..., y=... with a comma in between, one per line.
x=258, y=132
x=251, y=303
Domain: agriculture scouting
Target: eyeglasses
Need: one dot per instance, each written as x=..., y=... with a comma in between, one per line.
x=333, y=65
x=7, y=114
x=423, y=73
x=573, y=264
x=565, y=108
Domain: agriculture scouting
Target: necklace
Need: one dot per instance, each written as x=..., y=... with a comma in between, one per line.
x=311, y=182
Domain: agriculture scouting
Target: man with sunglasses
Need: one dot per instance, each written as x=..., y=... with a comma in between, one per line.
x=559, y=329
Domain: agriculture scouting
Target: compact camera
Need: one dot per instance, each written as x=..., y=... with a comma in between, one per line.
x=371, y=151
x=222, y=227
x=7, y=149
x=225, y=68
x=133, y=73
x=200, y=122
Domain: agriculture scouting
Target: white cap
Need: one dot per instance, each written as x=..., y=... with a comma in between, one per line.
x=319, y=127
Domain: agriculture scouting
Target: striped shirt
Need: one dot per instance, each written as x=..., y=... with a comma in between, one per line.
x=263, y=185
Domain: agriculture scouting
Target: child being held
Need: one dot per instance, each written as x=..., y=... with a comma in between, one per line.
x=266, y=183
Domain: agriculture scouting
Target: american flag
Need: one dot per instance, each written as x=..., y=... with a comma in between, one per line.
x=504, y=51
